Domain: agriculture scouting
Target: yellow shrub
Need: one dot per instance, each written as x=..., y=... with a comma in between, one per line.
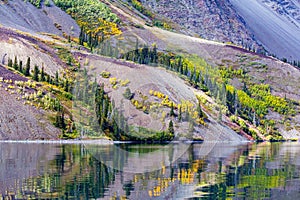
x=113, y=81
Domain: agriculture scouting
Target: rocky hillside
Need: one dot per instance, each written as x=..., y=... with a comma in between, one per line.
x=212, y=20
x=144, y=77
x=274, y=24
x=23, y=16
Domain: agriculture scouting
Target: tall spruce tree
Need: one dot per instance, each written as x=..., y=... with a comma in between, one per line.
x=16, y=63
x=56, y=78
x=43, y=75
x=36, y=73
x=20, y=66
x=27, y=69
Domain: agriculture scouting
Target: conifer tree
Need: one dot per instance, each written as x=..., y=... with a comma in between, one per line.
x=10, y=64
x=171, y=127
x=66, y=86
x=199, y=110
x=180, y=114
x=172, y=113
x=36, y=73
x=16, y=63
x=56, y=78
x=21, y=66
x=42, y=75
x=27, y=69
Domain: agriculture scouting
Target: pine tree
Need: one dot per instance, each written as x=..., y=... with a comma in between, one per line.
x=21, y=66
x=56, y=78
x=36, y=73
x=81, y=36
x=172, y=113
x=42, y=75
x=154, y=54
x=171, y=127
x=199, y=110
x=27, y=69
x=60, y=120
x=66, y=86
x=10, y=63
x=180, y=114
x=16, y=63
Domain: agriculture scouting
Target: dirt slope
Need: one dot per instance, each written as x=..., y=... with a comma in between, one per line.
x=24, y=16
x=144, y=78
x=24, y=46
x=19, y=121
x=276, y=24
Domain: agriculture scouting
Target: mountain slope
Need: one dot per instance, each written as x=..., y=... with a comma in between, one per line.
x=210, y=74
x=24, y=16
x=276, y=24
x=213, y=20
x=273, y=24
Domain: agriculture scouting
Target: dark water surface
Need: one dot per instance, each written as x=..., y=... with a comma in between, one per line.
x=124, y=171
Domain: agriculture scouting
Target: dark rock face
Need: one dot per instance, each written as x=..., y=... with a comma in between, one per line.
x=274, y=24
x=210, y=19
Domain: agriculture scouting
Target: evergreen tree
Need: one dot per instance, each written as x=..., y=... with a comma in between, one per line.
x=66, y=85
x=43, y=75
x=16, y=63
x=21, y=66
x=10, y=63
x=47, y=78
x=56, y=78
x=172, y=113
x=60, y=120
x=27, y=69
x=199, y=110
x=180, y=114
x=154, y=54
x=81, y=36
x=171, y=128
x=36, y=73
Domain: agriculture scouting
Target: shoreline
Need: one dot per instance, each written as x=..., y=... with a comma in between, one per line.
x=105, y=142
x=98, y=141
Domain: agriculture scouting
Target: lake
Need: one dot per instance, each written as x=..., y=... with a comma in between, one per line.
x=205, y=170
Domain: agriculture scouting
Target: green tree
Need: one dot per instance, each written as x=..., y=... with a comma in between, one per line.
x=10, y=63
x=27, y=69
x=56, y=78
x=180, y=114
x=42, y=75
x=199, y=110
x=16, y=63
x=172, y=113
x=36, y=73
x=171, y=128
x=127, y=94
x=66, y=86
x=60, y=120
x=21, y=66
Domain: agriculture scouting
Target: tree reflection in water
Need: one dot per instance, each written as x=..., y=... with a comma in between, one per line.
x=239, y=171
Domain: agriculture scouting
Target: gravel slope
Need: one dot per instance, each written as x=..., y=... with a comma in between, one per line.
x=25, y=17
x=278, y=31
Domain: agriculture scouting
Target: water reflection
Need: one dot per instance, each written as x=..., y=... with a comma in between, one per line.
x=224, y=171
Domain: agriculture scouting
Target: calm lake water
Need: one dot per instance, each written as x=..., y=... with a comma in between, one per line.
x=178, y=171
